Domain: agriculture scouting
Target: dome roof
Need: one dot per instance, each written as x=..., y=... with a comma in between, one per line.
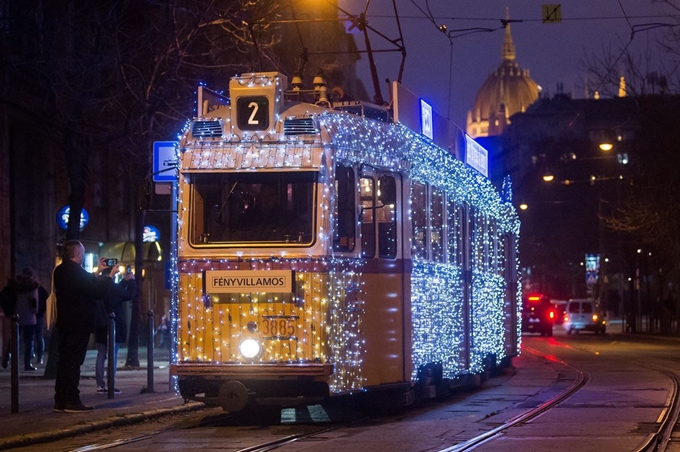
x=507, y=90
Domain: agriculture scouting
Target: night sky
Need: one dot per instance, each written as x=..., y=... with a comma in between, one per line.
x=553, y=52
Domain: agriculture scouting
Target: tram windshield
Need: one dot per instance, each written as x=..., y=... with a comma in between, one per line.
x=252, y=207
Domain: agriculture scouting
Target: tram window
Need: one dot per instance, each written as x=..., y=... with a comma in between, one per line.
x=477, y=238
x=367, y=217
x=494, y=261
x=437, y=225
x=419, y=220
x=481, y=240
x=387, y=223
x=252, y=207
x=344, y=231
x=455, y=232
x=508, y=257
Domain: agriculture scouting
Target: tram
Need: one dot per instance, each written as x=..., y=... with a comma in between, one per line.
x=325, y=249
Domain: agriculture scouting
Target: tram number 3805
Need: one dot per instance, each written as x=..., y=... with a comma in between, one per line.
x=279, y=327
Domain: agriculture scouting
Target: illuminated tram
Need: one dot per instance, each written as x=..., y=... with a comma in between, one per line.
x=323, y=253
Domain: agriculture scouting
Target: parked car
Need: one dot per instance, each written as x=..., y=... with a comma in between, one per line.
x=560, y=310
x=584, y=315
x=538, y=315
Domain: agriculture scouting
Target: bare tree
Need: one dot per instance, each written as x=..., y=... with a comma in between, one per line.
x=645, y=213
x=162, y=52
x=104, y=76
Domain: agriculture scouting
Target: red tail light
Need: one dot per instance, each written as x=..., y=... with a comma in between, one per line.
x=552, y=314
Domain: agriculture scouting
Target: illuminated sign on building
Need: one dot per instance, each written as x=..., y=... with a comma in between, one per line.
x=476, y=156
x=150, y=234
x=592, y=268
x=426, y=123
x=63, y=214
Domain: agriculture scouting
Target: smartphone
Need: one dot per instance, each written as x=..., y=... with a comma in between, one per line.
x=111, y=262
x=128, y=269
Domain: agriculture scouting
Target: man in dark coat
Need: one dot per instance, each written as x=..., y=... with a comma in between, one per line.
x=77, y=292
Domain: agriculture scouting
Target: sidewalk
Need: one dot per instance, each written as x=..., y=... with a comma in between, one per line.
x=36, y=423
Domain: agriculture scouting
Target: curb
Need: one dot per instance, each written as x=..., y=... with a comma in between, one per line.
x=89, y=427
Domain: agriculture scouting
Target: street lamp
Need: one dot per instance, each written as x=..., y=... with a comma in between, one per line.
x=606, y=146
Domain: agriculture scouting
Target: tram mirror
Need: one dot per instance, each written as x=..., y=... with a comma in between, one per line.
x=387, y=190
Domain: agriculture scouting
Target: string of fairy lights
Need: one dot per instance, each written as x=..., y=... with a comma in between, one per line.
x=436, y=288
x=324, y=316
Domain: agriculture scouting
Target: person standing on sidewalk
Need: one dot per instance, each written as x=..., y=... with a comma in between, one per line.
x=26, y=288
x=23, y=295
x=8, y=301
x=40, y=322
x=112, y=303
x=77, y=292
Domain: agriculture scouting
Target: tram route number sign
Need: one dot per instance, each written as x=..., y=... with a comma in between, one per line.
x=248, y=281
x=252, y=113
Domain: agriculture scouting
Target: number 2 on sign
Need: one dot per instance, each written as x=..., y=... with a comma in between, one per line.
x=252, y=119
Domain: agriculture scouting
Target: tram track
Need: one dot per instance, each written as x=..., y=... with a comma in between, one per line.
x=581, y=380
x=218, y=421
x=658, y=431
x=668, y=419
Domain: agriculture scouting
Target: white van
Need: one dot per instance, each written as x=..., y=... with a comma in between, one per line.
x=583, y=314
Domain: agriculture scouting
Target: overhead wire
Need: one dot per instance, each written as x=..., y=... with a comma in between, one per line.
x=458, y=33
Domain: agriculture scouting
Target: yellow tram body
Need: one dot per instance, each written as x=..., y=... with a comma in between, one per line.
x=326, y=299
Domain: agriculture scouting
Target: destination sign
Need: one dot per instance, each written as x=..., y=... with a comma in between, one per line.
x=240, y=281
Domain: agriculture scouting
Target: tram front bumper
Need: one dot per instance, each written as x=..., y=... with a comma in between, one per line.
x=234, y=386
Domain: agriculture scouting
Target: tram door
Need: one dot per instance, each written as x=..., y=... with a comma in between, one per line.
x=381, y=243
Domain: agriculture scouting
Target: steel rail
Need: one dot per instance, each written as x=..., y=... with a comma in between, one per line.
x=263, y=447
x=658, y=441
x=581, y=380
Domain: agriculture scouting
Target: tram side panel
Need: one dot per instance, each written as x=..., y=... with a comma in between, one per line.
x=440, y=331
x=386, y=288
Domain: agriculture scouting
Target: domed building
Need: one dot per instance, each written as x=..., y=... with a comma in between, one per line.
x=507, y=90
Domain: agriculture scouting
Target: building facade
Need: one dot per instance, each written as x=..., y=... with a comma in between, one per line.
x=506, y=91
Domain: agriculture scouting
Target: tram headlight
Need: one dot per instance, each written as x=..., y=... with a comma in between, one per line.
x=249, y=348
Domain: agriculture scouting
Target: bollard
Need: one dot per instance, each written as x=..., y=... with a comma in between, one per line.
x=149, y=354
x=111, y=363
x=14, y=347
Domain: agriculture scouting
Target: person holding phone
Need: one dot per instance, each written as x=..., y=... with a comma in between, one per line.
x=77, y=291
x=112, y=303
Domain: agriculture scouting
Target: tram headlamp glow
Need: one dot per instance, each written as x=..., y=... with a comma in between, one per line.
x=249, y=348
